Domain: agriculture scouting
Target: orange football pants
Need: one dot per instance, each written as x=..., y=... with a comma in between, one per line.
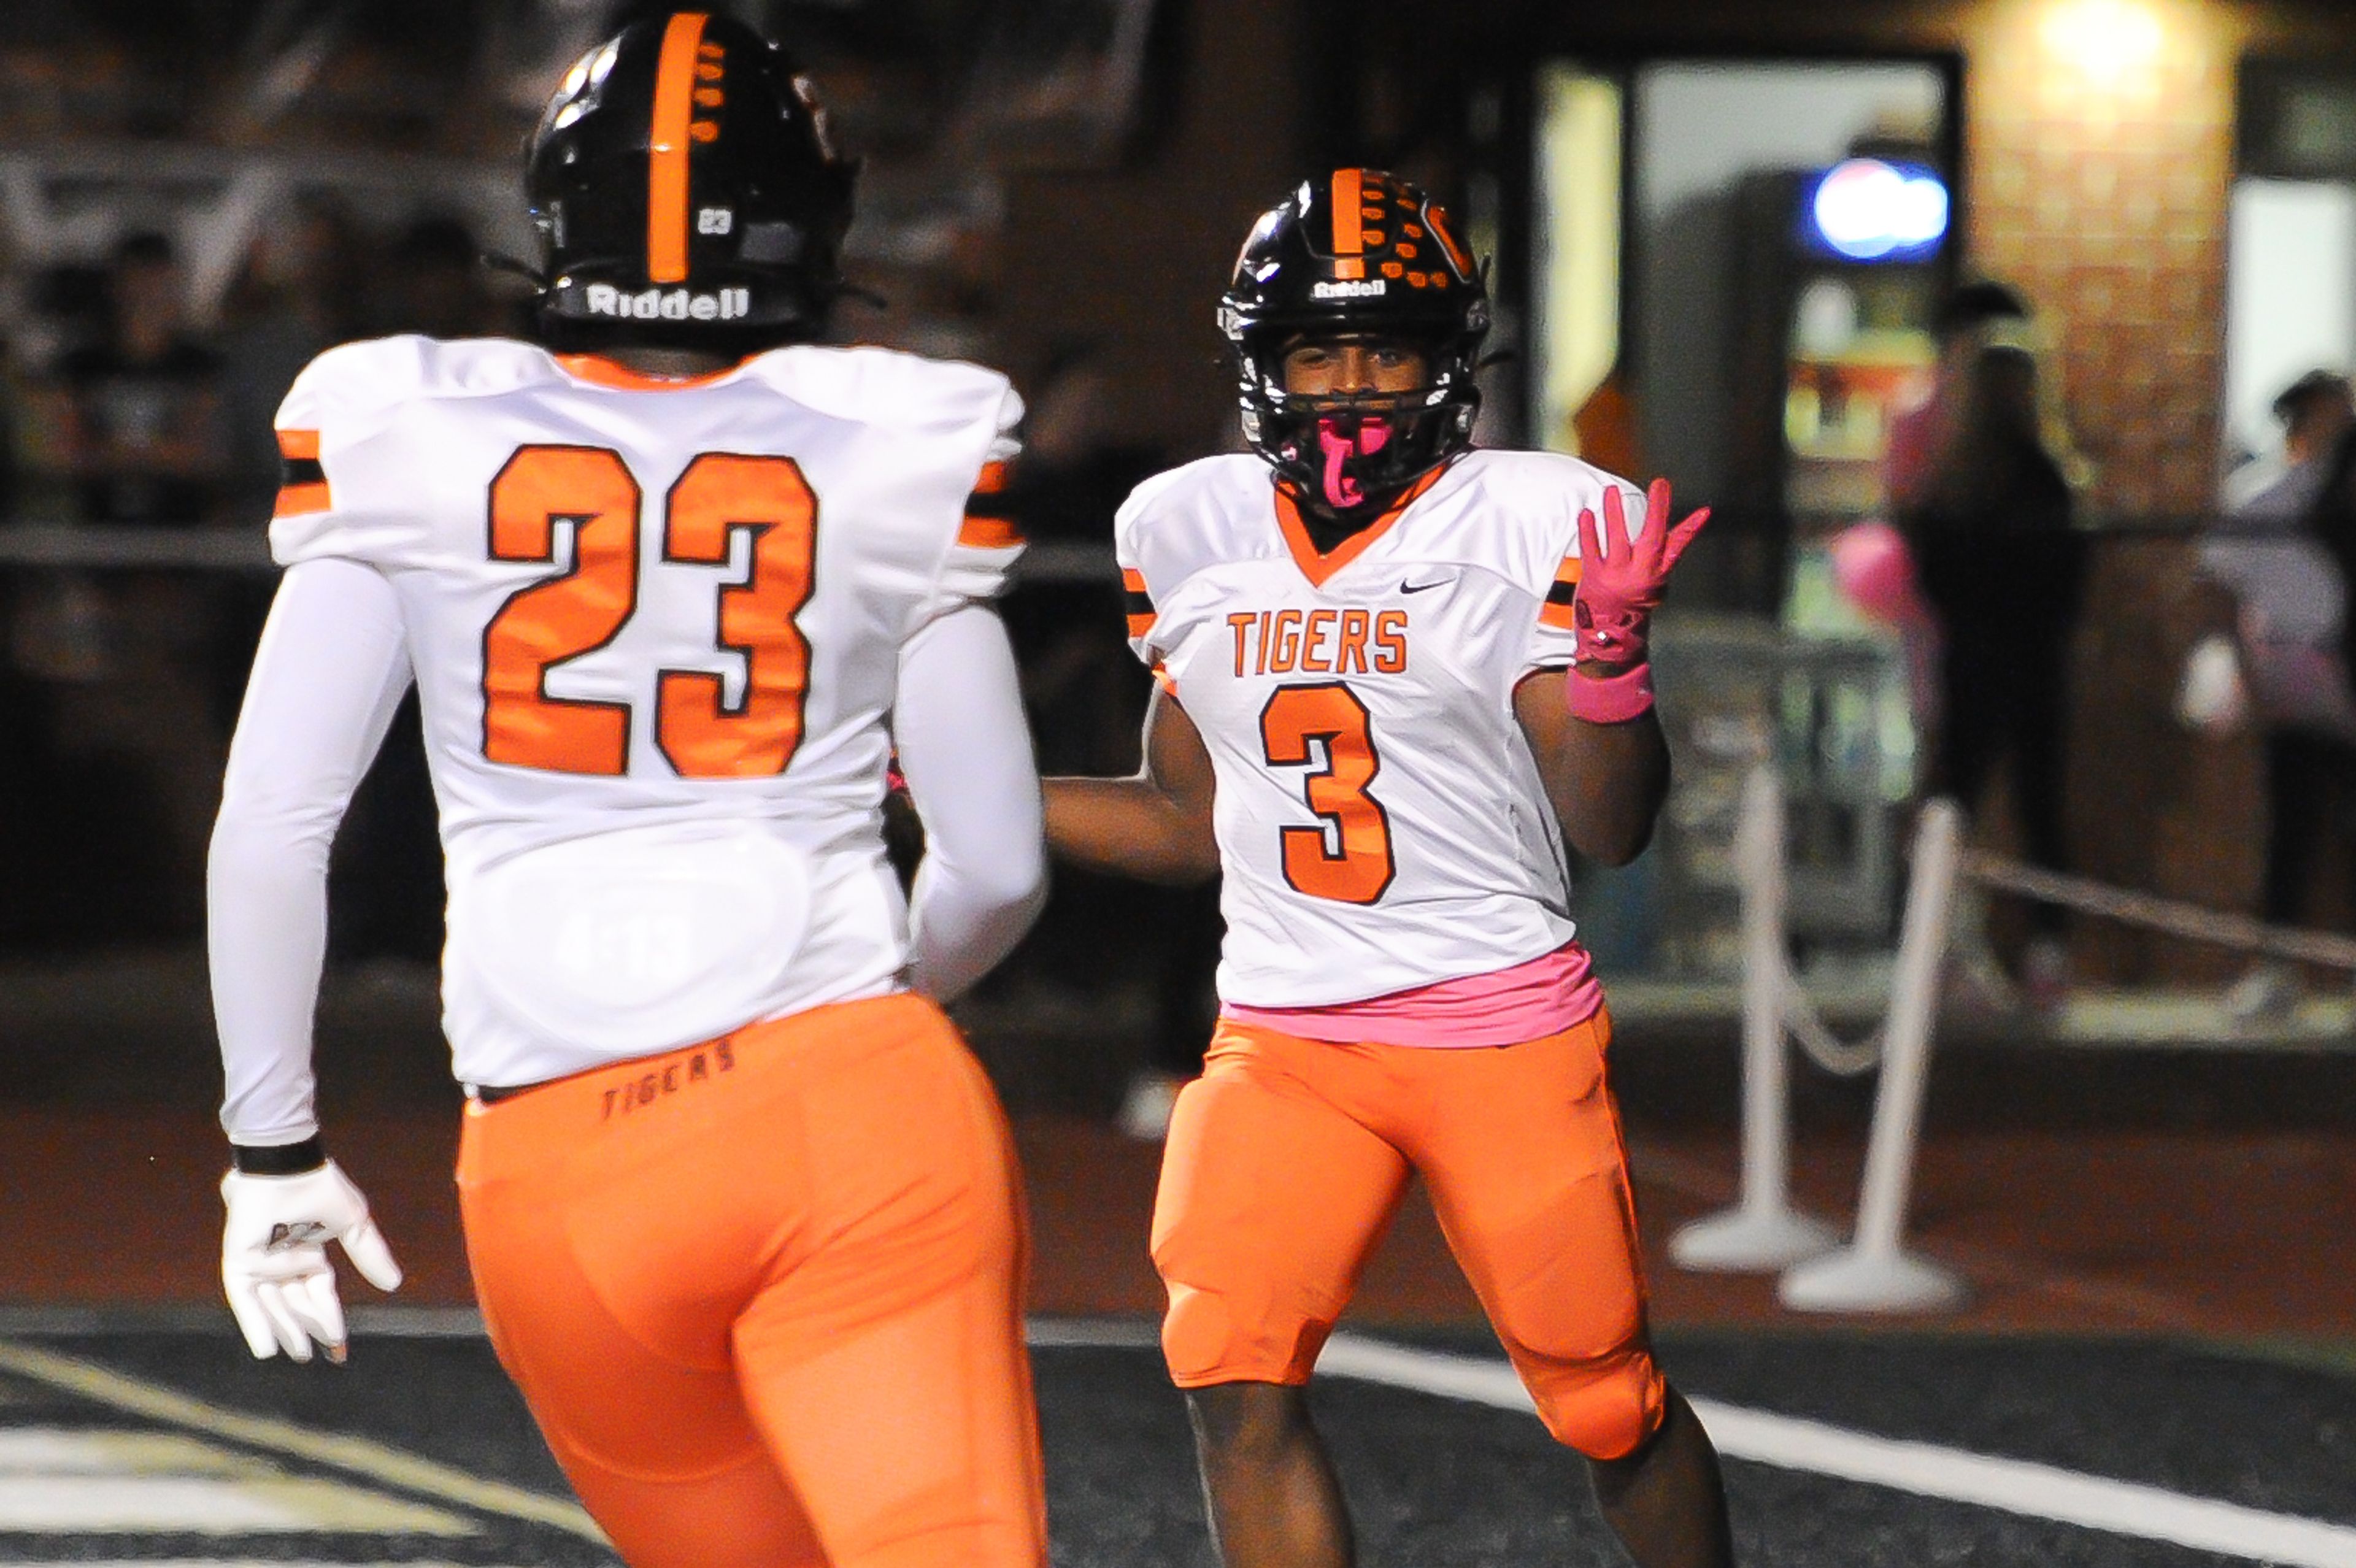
x=1288, y=1157
x=764, y=1296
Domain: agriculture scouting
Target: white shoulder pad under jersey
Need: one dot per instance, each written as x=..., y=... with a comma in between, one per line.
x=1381, y=822
x=656, y=627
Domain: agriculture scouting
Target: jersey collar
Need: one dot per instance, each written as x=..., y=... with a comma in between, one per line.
x=599, y=371
x=1317, y=567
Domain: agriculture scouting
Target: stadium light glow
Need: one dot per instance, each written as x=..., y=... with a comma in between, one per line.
x=2109, y=41
x=1868, y=210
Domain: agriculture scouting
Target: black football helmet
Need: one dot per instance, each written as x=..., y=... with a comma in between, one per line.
x=1357, y=254
x=686, y=192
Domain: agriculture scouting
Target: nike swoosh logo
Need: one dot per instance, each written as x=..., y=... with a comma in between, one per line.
x=1423, y=587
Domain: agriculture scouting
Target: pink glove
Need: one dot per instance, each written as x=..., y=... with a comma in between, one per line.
x=1621, y=579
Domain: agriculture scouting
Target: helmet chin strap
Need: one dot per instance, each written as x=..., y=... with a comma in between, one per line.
x=1365, y=438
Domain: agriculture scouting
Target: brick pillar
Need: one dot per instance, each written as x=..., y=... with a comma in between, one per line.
x=2103, y=193
x=2100, y=180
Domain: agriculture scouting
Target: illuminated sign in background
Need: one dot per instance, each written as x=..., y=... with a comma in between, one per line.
x=1868, y=210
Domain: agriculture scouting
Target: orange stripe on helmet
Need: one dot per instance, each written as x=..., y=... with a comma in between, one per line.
x=1436, y=219
x=666, y=147
x=1349, y=236
x=1349, y=227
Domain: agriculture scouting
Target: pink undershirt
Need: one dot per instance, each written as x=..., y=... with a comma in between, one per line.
x=1505, y=1006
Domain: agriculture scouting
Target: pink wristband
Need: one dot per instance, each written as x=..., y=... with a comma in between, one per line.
x=1610, y=698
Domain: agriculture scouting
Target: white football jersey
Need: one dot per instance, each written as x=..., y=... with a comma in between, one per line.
x=655, y=627
x=1380, y=820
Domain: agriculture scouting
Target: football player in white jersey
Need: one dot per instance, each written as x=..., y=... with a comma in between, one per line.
x=1396, y=674
x=741, y=1209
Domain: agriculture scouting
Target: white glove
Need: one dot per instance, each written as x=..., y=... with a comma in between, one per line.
x=2213, y=697
x=274, y=1257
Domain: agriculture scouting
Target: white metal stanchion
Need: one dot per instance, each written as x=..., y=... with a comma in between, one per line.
x=1762, y=1231
x=1875, y=1274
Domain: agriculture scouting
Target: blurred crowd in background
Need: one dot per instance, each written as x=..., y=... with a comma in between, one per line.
x=142, y=356
x=121, y=687
x=118, y=688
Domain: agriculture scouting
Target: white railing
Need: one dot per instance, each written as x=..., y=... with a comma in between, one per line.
x=1764, y=1232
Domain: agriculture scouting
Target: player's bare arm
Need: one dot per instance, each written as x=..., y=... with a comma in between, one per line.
x=1596, y=742
x=1606, y=781
x=1155, y=824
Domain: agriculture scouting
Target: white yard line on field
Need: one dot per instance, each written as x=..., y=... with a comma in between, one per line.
x=355, y=1455
x=1926, y=1469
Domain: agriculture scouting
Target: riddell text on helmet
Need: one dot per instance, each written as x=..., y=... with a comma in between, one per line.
x=1349, y=289
x=667, y=304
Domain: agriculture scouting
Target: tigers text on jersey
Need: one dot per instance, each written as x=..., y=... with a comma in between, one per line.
x=654, y=628
x=1380, y=820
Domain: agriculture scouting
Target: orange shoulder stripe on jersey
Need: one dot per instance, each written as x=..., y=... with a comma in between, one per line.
x=987, y=525
x=303, y=486
x=990, y=533
x=667, y=149
x=1560, y=598
x=1349, y=235
x=1164, y=678
x=1140, y=602
x=295, y=500
x=1317, y=568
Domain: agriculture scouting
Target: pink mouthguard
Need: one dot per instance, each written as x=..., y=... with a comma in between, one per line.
x=1373, y=435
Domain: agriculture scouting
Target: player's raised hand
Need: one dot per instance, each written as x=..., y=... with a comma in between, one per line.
x=1623, y=573
x=275, y=1265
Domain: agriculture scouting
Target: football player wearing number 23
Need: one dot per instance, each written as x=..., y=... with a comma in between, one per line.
x=1394, y=675
x=740, y=1208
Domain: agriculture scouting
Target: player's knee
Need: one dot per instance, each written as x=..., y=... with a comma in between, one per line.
x=1604, y=1411
x=1206, y=1339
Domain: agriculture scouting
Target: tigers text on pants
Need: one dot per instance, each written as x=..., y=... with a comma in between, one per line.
x=764, y=1294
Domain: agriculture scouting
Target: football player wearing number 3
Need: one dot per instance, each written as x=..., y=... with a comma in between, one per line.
x=1391, y=683
x=740, y=1207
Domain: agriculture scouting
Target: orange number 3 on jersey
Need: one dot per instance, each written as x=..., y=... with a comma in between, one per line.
x=583, y=608
x=768, y=497
x=1350, y=860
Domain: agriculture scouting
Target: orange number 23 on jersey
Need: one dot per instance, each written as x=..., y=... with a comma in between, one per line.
x=581, y=610
x=1349, y=860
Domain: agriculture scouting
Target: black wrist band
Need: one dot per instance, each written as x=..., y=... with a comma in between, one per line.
x=279, y=1159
